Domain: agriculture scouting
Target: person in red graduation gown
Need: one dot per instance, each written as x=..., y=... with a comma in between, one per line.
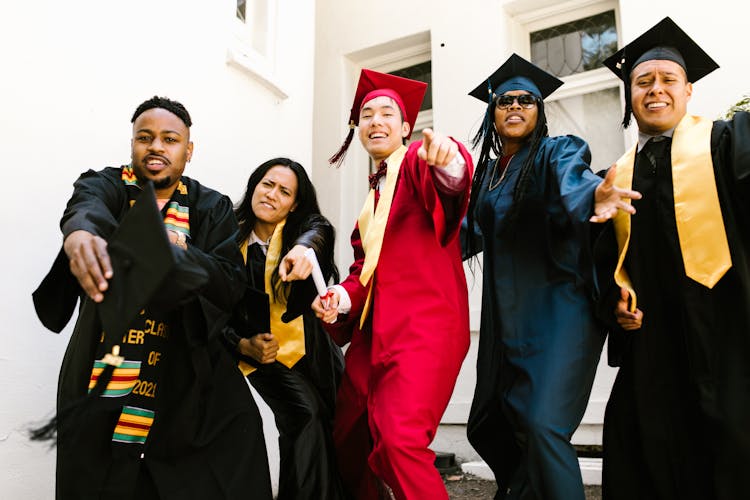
x=404, y=305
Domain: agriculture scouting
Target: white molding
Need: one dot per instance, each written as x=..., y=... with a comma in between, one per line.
x=394, y=54
x=584, y=83
x=556, y=13
x=241, y=57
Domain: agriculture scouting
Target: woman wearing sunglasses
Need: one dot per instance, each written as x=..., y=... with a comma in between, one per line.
x=532, y=199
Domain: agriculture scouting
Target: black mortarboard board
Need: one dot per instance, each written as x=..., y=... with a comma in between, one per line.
x=257, y=310
x=141, y=257
x=665, y=41
x=516, y=73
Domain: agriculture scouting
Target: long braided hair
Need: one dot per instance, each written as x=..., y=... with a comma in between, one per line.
x=491, y=144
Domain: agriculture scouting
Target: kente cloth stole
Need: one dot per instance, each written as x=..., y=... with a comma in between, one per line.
x=291, y=336
x=700, y=226
x=144, y=347
x=371, y=223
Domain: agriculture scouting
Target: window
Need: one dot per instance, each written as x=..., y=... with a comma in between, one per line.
x=253, y=46
x=589, y=104
x=255, y=16
x=574, y=47
x=423, y=73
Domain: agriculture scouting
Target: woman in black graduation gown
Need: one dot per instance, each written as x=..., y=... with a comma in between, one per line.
x=287, y=356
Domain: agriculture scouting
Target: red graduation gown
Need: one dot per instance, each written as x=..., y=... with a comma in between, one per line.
x=401, y=367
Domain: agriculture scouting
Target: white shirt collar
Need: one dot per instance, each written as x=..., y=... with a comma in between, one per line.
x=644, y=138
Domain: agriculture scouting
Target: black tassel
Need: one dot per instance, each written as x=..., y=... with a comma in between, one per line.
x=71, y=413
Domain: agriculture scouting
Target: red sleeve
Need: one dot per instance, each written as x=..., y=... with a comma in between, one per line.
x=447, y=207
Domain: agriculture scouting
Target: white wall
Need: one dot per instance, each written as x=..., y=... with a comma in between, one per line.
x=72, y=74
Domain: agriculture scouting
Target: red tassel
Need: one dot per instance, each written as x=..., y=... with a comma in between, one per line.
x=338, y=158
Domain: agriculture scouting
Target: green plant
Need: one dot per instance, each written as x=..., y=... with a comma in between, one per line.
x=741, y=105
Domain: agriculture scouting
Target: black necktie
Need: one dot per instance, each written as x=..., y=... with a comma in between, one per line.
x=375, y=178
x=656, y=150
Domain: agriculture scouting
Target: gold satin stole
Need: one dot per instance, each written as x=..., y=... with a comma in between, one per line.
x=700, y=226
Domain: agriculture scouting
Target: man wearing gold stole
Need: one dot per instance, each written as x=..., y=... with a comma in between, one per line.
x=675, y=286
x=404, y=305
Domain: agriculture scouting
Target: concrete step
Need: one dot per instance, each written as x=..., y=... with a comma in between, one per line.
x=591, y=470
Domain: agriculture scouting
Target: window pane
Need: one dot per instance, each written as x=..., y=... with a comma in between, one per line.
x=241, y=10
x=423, y=73
x=575, y=47
x=596, y=118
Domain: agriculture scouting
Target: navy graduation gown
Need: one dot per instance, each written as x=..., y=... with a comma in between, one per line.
x=539, y=342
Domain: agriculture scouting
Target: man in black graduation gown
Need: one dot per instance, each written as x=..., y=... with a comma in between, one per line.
x=676, y=287
x=168, y=415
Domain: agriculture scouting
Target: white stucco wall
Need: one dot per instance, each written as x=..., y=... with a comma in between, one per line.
x=72, y=75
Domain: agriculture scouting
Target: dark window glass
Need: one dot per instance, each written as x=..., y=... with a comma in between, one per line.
x=423, y=73
x=575, y=47
x=241, y=10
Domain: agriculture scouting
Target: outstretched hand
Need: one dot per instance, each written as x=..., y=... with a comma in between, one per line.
x=295, y=265
x=89, y=262
x=608, y=198
x=436, y=149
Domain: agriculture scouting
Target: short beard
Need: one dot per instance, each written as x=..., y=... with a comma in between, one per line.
x=163, y=183
x=158, y=184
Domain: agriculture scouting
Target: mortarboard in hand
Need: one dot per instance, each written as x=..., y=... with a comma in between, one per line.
x=663, y=41
x=407, y=93
x=516, y=73
x=257, y=312
x=141, y=258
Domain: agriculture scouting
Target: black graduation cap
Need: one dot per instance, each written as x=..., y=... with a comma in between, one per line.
x=516, y=73
x=664, y=41
x=141, y=257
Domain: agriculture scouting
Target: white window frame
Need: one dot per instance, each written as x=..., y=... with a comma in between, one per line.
x=243, y=54
x=554, y=14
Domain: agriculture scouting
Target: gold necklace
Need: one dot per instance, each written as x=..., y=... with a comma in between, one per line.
x=502, y=176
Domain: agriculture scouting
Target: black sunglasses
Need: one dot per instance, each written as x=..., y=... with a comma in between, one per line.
x=526, y=101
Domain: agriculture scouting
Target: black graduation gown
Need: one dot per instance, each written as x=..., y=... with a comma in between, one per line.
x=302, y=398
x=677, y=423
x=207, y=441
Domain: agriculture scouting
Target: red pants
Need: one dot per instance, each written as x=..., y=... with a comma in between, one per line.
x=388, y=408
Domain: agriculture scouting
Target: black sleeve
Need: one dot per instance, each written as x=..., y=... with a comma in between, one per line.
x=316, y=233
x=605, y=260
x=96, y=204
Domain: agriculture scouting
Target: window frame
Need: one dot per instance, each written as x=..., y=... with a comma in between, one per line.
x=242, y=53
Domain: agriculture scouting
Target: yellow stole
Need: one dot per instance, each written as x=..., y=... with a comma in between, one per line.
x=700, y=226
x=372, y=222
x=291, y=336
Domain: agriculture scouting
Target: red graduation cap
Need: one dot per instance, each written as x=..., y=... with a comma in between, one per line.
x=407, y=93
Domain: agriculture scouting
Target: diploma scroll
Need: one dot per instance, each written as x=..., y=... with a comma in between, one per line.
x=317, y=276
